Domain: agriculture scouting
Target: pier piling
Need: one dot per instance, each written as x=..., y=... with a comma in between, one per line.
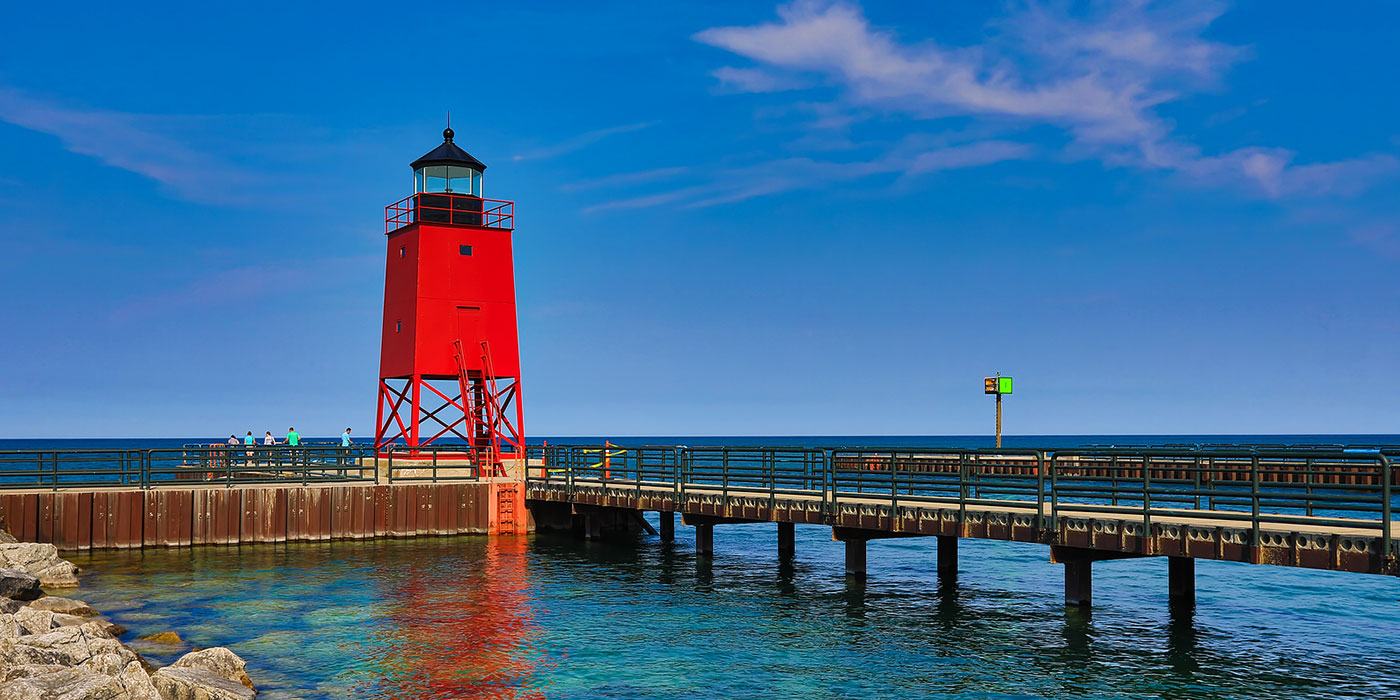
x=668, y=526
x=948, y=558
x=705, y=540
x=1079, y=582
x=855, y=558
x=1181, y=580
x=787, y=540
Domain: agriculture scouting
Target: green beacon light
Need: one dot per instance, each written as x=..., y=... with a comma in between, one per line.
x=998, y=386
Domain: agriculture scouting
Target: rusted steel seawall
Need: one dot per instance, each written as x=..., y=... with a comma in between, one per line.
x=181, y=517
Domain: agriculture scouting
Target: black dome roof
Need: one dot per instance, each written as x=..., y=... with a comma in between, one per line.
x=448, y=154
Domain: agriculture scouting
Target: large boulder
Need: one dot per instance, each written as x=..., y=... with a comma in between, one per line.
x=9, y=605
x=35, y=621
x=10, y=627
x=18, y=584
x=218, y=660
x=197, y=684
x=66, y=606
x=39, y=560
x=65, y=646
x=61, y=620
x=66, y=684
x=138, y=683
x=31, y=670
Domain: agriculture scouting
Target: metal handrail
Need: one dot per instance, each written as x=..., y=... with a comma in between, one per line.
x=1255, y=487
x=226, y=465
x=494, y=213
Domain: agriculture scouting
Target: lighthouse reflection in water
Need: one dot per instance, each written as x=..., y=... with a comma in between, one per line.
x=449, y=617
x=467, y=634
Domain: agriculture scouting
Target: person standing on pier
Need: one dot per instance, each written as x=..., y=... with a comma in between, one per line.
x=293, y=437
x=268, y=439
x=233, y=439
x=345, y=449
x=249, y=439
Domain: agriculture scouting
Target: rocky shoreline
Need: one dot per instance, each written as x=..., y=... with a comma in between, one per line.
x=55, y=648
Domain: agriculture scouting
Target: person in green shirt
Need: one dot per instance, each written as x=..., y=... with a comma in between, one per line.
x=293, y=437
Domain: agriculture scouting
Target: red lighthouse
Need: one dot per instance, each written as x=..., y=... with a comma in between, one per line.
x=449, y=364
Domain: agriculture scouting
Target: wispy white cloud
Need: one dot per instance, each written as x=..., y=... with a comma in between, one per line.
x=622, y=179
x=582, y=141
x=1099, y=77
x=770, y=177
x=755, y=80
x=1382, y=237
x=132, y=142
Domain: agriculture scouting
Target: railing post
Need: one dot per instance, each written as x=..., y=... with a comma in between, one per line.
x=772, y=461
x=894, y=486
x=1146, y=542
x=829, y=483
x=569, y=474
x=1196, y=481
x=1385, y=507
x=724, y=478
x=55, y=470
x=1254, y=499
x=1054, y=493
x=963, y=469
x=1040, y=490
x=682, y=457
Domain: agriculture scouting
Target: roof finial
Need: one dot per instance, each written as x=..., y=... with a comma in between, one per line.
x=447, y=133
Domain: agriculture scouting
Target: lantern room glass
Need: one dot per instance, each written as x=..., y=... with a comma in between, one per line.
x=454, y=179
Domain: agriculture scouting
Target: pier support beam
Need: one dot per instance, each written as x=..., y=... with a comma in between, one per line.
x=592, y=526
x=668, y=526
x=1181, y=580
x=705, y=540
x=1079, y=583
x=855, y=559
x=787, y=540
x=1079, y=580
x=947, y=558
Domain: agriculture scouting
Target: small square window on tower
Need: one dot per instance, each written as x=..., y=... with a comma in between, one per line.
x=464, y=250
x=401, y=251
x=398, y=326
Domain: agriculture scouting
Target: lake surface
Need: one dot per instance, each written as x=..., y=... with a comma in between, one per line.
x=550, y=616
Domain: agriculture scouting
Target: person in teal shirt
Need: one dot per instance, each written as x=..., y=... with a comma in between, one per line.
x=249, y=439
x=345, y=438
x=293, y=437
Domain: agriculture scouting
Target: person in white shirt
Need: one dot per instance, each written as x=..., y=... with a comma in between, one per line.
x=268, y=439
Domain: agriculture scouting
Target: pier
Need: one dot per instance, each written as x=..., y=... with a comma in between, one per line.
x=196, y=495
x=1311, y=508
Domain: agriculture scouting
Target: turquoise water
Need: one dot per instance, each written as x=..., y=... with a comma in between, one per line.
x=550, y=616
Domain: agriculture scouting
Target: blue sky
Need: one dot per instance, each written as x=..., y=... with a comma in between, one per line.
x=733, y=217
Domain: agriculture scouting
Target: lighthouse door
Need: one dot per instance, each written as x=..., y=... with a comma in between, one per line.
x=469, y=332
